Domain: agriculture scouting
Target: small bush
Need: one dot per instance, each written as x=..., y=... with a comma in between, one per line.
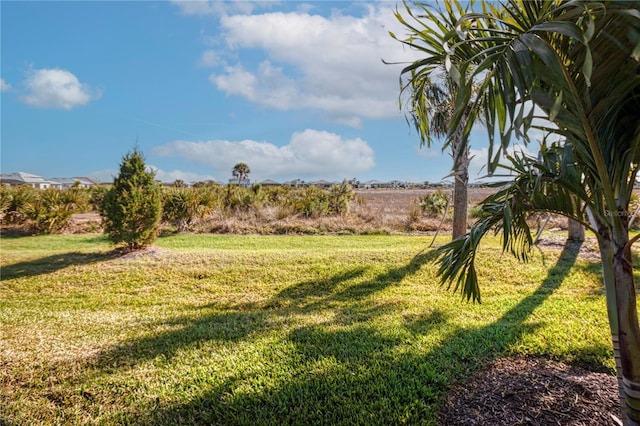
x=276, y=195
x=96, y=195
x=340, y=197
x=433, y=204
x=6, y=198
x=310, y=202
x=15, y=202
x=415, y=212
x=52, y=208
x=238, y=199
x=182, y=206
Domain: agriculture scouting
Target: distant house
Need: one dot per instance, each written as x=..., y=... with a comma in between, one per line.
x=322, y=184
x=244, y=182
x=395, y=184
x=81, y=182
x=22, y=178
x=38, y=182
x=372, y=184
x=269, y=182
x=295, y=183
x=207, y=182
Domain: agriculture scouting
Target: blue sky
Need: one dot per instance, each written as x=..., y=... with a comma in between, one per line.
x=293, y=89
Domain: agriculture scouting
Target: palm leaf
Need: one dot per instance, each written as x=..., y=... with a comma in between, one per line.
x=549, y=183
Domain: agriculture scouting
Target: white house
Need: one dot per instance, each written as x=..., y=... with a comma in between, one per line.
x=372, y=184
x=69, y=182
x=35, y=181
x=22, y=178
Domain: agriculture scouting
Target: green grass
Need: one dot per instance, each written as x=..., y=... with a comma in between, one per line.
x=271, y=329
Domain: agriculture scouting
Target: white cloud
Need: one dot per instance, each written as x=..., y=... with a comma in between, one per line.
x=107, y=175
x=56, y=88
x=172, y=176
x=428, y=152
x=332, y=64
x=210, y=58
x=309, y=154
x=4, y=86
x=269, y=87
x=479, y=161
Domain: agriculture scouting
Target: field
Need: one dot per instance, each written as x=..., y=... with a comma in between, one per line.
x=380, y=211
x=248, y=329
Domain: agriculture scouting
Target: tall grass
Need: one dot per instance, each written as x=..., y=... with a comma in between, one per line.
x=275, y=330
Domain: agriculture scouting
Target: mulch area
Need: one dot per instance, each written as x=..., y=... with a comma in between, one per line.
x=531, y=391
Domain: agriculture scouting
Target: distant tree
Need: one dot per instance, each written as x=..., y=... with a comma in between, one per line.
x=240, y=171
x=131, y=208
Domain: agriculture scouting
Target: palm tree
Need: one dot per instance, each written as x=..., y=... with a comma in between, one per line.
x=432, y=96
x=241, y=172
x=578, y=63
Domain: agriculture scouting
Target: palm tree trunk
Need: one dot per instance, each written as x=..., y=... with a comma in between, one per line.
x=623, y=320
x=461, y=160
x=460, y=197
x=629, y=337
x=576, y=230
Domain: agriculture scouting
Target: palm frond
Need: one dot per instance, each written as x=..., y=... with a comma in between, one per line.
x=574, y=60
x=551, y=182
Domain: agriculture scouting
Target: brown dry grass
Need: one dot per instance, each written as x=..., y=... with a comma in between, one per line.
x=380, y=211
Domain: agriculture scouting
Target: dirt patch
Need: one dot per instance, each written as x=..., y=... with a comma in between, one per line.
x=147, y=252
x=530, y=391
x=587, y=250
x=83, y=223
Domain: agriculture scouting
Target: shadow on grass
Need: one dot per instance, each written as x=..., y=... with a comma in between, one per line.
x=309, y=294
x=299, y=293
x=49, y=264
x=339, y=376
x=235, y=323
x=242, y=320
x=595, y=269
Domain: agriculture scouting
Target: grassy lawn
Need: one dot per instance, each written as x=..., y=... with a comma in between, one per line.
x=255, y=330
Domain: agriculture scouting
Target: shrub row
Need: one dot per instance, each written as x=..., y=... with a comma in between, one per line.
x=46, y=211
x=49, y=210
x=182, y=207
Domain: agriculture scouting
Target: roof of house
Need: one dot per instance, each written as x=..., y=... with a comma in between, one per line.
x=26, y=178
x=30, y=179
x=65, y=181
x=23, y=177
x=86, y=179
